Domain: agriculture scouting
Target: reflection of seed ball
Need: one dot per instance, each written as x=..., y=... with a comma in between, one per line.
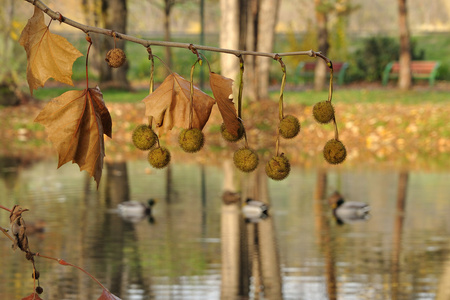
x=231, y=137
x=159, y=157
x=191, y=140
x=278, y=167
x=289, y=127
x=334, y=152
x=143, y=137
x=245, y=159
x=323, y=112
x=115, y=57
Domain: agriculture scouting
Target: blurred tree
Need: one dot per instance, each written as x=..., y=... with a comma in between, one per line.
x=10, y=61
x=114, y=17
x=334, y=38
x=249, y=25
x=404, y=80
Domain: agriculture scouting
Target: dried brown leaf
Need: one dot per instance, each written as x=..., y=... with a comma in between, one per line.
x=76, y=122
x=222, y=88
x=33, y=296
x=169, y=105
x=106, y=295
x=49, y=55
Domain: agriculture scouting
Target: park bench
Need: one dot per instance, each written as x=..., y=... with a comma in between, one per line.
x=419, y=70
x=305, y=70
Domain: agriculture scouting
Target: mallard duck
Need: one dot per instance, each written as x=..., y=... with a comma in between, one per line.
x=254, y=210
x=348, y=211
x=134, y=211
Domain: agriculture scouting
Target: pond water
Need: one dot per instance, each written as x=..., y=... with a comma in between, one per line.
x=196, y=247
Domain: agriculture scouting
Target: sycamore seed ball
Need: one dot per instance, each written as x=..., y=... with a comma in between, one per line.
x=323, y=112
x=159, y=157
x=289, y=127
x=191, y=140
x=231, y=137
x=245, y=159
x=334, y=152
x=143, y=137
x=278, y=167
x=115, y=57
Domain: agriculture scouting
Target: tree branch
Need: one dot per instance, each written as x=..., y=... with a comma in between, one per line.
x=147, y=43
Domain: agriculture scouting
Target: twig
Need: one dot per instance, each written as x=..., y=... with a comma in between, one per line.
x=147, y=43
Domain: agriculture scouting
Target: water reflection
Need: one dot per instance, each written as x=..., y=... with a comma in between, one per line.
x=200, y=246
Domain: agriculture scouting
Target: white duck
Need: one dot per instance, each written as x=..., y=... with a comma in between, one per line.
x=134, y=211
x=255, y=211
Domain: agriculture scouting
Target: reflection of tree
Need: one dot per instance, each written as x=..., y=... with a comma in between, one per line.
x=397, y=237
x=324, y=233
x=251, y=248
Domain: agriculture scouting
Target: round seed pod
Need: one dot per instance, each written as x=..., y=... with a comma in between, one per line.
x=115, y=58
x=159, y=157
x=231, y=137
x=144, y=137
x=245, y=159
x=334, y=152
x=191, y=140
x=323, y=112
x=35, y=274
x=39, y=290
x=289, y=127
x=278, y=167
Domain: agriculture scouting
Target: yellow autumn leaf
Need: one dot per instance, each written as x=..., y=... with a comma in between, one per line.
x=49, y=55
x=170, y=104
x=75, y=123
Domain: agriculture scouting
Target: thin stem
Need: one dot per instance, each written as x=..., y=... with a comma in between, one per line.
x=5, y=208
x=283, y=84
x=57, y=16
x=89, y=40
x=277, y=145
x=64, y=263
x=191, y=110
x=5, y=232
x=241, y=85
x=152, y=70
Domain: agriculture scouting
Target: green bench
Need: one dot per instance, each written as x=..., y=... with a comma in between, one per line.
x=420, y=69
x=305, y=70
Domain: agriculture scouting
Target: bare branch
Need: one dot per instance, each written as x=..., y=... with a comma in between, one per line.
x=147, y=43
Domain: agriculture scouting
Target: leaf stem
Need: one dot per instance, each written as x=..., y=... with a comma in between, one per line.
x=5, y=232
x=191, y=109
x=89, y=40
x=283, y=84
x=64, y=263
x=152, y=70
x=241, y=85
x=5, y=208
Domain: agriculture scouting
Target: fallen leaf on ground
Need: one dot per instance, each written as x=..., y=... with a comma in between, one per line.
x=106, y=295
x=75, y=123
x=222, y=89
x=48, y=55
x=170, y=105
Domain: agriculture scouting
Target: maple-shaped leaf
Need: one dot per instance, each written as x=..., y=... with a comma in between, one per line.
x=222, y=88
x=33, y=296
x=48, y=55
x=170, y=104
x=106, y=295
x=76, y=122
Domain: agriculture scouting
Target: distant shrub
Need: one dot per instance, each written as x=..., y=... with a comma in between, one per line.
x=374, y=54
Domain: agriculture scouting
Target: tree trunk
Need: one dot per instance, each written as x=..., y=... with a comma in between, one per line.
x=404, y=79
x=115, y=18
x=267, y=20
x=229, y=37
x=320, y=73
x=168, y=51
